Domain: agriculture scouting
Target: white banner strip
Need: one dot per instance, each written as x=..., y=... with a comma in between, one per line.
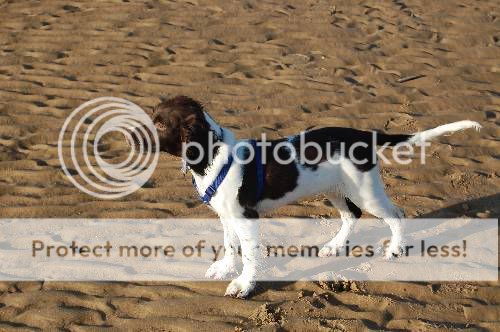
x=183, y=249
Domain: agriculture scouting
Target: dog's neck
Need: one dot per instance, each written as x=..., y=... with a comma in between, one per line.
x=221, y=154
x=215, y=152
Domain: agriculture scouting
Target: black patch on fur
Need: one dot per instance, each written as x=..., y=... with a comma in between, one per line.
x=337, y=137
x=353, y=208
x=279, y=178
x=250, y=214
x=247, y=193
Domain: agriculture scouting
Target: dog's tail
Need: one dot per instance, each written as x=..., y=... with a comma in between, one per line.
x=426, y=135
x=449, y=128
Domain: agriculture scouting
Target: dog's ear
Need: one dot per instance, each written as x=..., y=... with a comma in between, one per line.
x=189, y=127
x=195, y=128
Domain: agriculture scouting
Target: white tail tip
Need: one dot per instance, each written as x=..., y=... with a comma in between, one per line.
x=449, y=128
x=476, y=125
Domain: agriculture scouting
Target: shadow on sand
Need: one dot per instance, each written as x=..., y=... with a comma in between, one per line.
x=469, y=208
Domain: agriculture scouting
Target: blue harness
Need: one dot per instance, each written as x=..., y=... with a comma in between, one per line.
x=260, y=169
x=212, y=188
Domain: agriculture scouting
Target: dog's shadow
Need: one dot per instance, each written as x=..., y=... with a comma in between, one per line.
x=472, y=208
x=484, y=207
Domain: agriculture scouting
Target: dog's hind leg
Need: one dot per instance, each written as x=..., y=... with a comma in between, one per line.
x=349, y=212
x=392, y=215
x=373, y=199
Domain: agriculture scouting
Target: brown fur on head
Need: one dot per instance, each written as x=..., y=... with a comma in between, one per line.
x=179, y=120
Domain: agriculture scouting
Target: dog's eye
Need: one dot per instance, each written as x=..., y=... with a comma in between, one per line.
x=160, y=126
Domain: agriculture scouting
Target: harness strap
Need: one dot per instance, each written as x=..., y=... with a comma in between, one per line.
x=259, y=169
x=212, y=188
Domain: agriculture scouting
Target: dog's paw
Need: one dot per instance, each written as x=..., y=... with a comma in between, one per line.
x=394, y=251
x=240, y=287
x=221, y=270
x=327, y=251
x=330, y=249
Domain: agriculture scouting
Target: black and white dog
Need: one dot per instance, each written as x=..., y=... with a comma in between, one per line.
x=238, y=192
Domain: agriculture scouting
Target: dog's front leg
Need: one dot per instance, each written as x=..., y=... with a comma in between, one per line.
x=247, y=231
x=225, y=267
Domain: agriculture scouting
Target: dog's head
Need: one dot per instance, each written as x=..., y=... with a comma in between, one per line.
x=178, y=121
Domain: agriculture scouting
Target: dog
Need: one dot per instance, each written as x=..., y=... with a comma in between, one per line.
x=239, y=192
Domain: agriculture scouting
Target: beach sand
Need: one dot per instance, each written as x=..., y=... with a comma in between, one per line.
x=257, y=66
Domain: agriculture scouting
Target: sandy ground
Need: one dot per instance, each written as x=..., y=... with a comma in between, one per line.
x=258, y=66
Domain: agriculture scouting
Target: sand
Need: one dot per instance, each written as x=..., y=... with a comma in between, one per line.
x=258, y=66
